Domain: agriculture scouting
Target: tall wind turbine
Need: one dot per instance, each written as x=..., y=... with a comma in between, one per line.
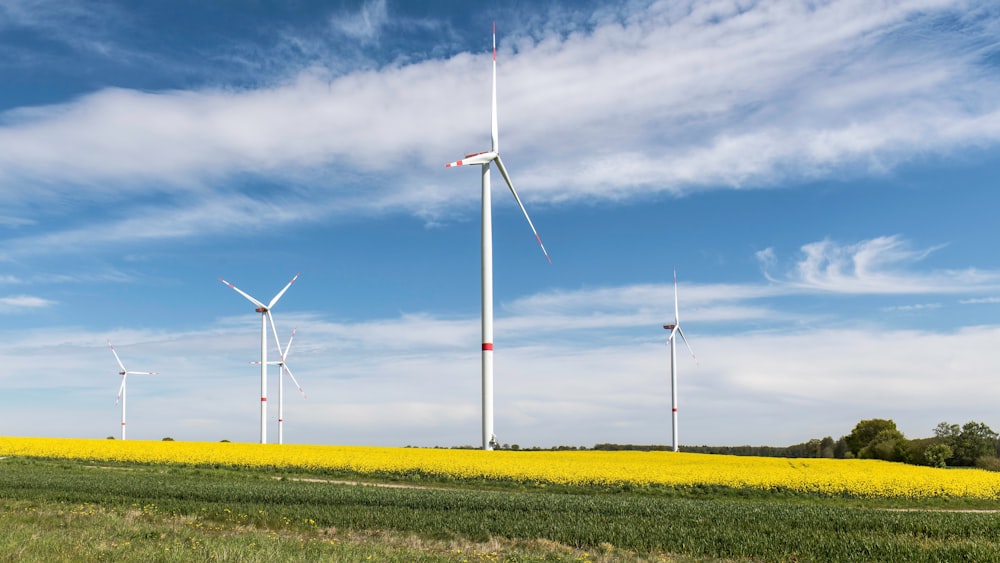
x=485, y=159
x=675, y=329
x=282, y=368
x=265, y=314
x=121, y=390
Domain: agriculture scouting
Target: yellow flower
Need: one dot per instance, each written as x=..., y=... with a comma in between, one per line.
x=866, y=478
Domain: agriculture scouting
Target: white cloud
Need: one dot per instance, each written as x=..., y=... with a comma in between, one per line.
x=750, y=97
x=980, y=301
x=914, y=307
x=21, y=303
x=365, y=386
x=571, y=368
x=83, y=28
x=640, y=305
x=366, y=24
x=882, y=265
x=227, y=214
x=14, y=222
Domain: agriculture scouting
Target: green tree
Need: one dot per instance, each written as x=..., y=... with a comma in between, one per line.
x=826, y=447
x=888, y=445
x=947, y=432
x=968, y=443
x=841, y=450
x=866, y=431
x=937, y=455
x=976, y=440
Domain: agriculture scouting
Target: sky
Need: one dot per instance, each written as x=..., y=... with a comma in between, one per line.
x=821, y=174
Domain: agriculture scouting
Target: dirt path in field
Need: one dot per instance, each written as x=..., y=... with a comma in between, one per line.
x=363, y=483
x=959, y=510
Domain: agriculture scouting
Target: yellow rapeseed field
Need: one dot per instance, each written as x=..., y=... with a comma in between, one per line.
x=865, y=478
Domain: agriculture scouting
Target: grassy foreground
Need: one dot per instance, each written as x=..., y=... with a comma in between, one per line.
x=59, y=510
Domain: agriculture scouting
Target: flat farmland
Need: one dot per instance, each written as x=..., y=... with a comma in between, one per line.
x=175, y=501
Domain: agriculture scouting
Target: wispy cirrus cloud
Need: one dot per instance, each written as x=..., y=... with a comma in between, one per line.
x=14, y=222
x=914, y=307
x=82, y=27
x=366, y=24
x=980, y=301
x=878, y=266
x=23, y=303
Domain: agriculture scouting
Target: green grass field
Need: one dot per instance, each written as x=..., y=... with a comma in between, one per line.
x=59, y=510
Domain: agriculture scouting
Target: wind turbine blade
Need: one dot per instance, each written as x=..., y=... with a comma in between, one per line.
x=142, y=373
x=686, y=344
x=289, y=345
x=677, y=314
x=506, y=177
x=280, y=293
x=274, y=331
x=673, y=331
x=244, y=294
x=257, y=363
x=494, y=130
x=295, y=382
x=117, y=359
x=121, y=389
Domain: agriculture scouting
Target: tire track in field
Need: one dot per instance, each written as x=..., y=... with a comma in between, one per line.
x=364, y=483
x=959, y=510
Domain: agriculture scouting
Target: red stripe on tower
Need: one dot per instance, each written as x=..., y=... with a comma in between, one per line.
x=263, y=399
x=675, y=409
x=488, y=346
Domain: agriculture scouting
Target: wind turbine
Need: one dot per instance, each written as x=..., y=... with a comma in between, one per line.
x=485, y=159
x=675, y=329
x=265, y=314
x=121, y=390
x=282, y=368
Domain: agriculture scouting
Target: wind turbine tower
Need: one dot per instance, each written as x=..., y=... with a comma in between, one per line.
x=282, y=368
x=675, y=329
x=485, y=159
x=121, y=390
x=265, y=314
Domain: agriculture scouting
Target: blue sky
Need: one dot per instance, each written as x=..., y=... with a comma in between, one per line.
x=823, y=175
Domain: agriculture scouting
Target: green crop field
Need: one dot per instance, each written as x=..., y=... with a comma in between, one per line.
x=57, y=510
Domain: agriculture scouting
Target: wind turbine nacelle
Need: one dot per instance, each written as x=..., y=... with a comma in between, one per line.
x=477, y=158
x=261, y=310
x=669, y=327
x=480, y=158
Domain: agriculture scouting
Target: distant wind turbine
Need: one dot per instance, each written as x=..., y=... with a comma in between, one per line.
x=282, y=368
x=121, y=390
x=675, y=329
x=265, y=314
x=484, y=159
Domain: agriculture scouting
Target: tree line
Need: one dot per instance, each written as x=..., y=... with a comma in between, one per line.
x=973, y=444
